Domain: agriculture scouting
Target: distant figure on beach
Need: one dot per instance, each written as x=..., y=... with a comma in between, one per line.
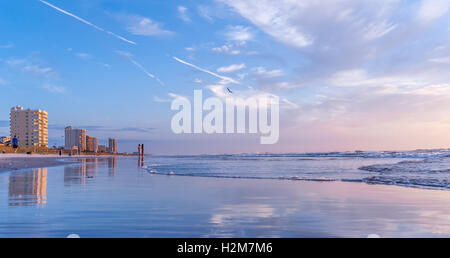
x=15, y=143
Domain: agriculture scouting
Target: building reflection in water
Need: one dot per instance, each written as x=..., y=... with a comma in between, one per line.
x=112, y=166
x=87, y=169
x=91, y=167
x=75, y=174
x=28, y=188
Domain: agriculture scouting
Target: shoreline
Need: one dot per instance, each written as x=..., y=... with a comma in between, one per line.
x=13, y=162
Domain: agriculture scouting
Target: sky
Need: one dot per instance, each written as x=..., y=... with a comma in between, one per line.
x=350, y=74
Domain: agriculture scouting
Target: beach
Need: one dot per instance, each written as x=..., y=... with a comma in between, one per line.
x=23, y=161
x=113, y=197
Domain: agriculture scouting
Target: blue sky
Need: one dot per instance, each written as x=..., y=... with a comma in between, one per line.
x=350, y=74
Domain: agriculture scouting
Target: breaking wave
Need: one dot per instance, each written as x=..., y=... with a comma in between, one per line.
x=419, y=168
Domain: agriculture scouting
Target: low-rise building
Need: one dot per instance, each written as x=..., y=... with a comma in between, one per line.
x=5, y=139
x=102, y=148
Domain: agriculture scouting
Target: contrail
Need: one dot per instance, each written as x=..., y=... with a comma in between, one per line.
x=130, y=57
x=206, y=71
x=88, y=23
x=142, y=68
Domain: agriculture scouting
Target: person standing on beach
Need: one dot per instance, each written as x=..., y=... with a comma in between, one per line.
x=15, y=143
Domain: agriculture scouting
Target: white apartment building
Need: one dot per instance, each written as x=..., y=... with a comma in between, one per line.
x=29, y=126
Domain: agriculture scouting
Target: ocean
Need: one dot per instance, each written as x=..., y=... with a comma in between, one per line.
x=350, y=194
x=419, y=168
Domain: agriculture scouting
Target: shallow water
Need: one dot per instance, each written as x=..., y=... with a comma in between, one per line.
x=115, y=198
x=421, y=168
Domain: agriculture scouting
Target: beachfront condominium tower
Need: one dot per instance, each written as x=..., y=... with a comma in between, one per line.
x=91, y=144
x=112, y=145
x=74, y=139
x=29, y=126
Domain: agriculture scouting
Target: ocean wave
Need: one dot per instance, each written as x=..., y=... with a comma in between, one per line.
x=419, y=154
x=420, y=168
x=410, y=182
x=431, y=172
x=427, y=183
x=291, y=178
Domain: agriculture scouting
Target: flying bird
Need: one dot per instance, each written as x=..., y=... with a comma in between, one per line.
x=229, y=90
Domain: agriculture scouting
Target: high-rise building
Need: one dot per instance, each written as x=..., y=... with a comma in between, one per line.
x=29, y=126
x=112, y=145
x=75, y=138
x=91, y=144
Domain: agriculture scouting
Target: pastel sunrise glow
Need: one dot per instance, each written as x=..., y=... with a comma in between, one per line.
x=351, y=75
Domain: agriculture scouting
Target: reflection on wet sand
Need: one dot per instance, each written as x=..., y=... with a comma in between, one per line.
x=112, y=166
x=88, y=168
x=28, y=188
x=141, y=161
x=140, y=204
x=75, y=174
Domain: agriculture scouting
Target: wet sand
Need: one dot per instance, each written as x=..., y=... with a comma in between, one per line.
x=18, y=161
x=24, y=161
x=115, y=198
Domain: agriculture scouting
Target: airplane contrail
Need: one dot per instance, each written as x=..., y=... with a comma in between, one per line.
x=206, y=71
x=87, y=22
x=130, y=57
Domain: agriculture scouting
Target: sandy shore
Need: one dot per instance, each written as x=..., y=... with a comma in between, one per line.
x=20, y=161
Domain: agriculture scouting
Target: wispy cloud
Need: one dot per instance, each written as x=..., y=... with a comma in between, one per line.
x=84, y=56
x=87, y=22
x=16, y=61
x=10, y=45
x=137, y=129
x=31, y=68
x=100, y=128
x=268, y=74
x=239, y=33
x=231, y=68
x=183, y=13
x=294, y=23
x=171, y=95
x=160, y=100
x=227, y=49
x=37, y=70
x=54, y=88
x=441, y=60
x=143, y=26
x=224, y=78
x=177, y=96
x=130, y=57
x=205, y=12
x=431, y=10
x=378, y=30
x=274, y=19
